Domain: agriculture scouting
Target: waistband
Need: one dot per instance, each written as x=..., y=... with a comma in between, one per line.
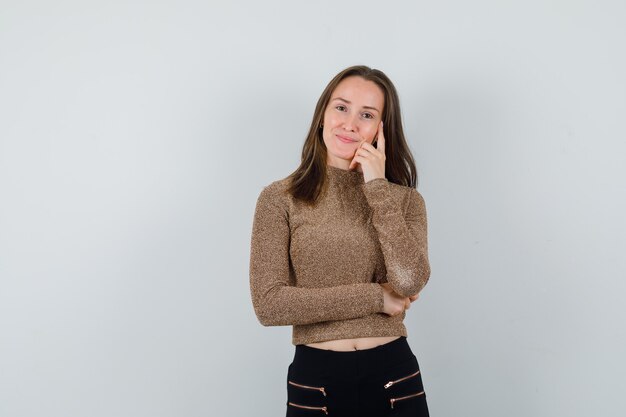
x=354, y=362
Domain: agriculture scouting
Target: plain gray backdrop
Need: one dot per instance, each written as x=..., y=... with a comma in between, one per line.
x=136, y=136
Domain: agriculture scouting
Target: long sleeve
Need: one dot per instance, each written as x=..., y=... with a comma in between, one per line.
x=275, y=298
x=402, y=235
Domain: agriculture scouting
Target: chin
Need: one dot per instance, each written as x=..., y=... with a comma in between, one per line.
x=347, y=156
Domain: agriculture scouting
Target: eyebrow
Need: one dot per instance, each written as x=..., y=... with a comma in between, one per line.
x=365, y=107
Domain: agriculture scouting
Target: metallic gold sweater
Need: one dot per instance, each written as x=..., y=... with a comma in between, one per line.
x=318, y=268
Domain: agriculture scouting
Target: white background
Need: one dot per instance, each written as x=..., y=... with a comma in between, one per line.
x=136, y=136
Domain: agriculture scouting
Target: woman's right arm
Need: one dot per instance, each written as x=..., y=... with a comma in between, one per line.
x=276, y=301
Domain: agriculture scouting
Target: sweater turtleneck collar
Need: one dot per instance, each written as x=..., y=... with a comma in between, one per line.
x=344, y=176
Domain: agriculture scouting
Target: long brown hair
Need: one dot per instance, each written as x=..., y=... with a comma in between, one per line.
x=307, y=181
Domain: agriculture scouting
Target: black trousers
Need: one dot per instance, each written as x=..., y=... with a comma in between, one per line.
x=382, y=381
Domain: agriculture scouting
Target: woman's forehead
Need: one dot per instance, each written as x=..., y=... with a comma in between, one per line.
x=360, y=91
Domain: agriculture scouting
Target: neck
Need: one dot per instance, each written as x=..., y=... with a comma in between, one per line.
x=344, y=165
x=344, y=176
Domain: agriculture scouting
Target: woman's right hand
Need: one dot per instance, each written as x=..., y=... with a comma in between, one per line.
x=394, y=303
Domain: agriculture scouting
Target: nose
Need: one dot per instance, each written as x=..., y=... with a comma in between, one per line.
x=350, y=122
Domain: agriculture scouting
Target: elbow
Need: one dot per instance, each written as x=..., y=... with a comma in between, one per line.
x=269, y=314
x=266, y=322
x=422, y=274
x=269, y=308
x=424, y=277
x=413, y=281
x=265, y=317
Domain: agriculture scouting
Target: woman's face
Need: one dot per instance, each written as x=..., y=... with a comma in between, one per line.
x=352, y=115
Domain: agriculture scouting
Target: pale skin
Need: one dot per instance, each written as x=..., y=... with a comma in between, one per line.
x=354, y=113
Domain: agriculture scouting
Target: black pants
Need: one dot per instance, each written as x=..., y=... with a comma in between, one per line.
x=377, y=382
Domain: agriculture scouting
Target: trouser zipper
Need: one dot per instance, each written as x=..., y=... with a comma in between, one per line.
x=393, y=400
x=390, y=383
x=308, y=387
x=324, y=409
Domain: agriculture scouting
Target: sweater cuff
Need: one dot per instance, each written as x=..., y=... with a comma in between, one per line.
x=377, y=192
x=375, y=181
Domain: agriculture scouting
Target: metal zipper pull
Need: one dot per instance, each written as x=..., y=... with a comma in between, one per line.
x=309, y=387
x=324, y=409
x=393, y=400
x=390, y=383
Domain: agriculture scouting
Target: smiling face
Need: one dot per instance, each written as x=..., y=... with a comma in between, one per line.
x=352, y=115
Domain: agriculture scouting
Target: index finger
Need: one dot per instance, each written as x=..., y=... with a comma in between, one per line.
x=381, y=139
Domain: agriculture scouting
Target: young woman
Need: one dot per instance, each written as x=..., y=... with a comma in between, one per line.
x=339, y=251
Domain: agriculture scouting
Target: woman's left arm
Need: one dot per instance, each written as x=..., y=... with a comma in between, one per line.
x=402, y=232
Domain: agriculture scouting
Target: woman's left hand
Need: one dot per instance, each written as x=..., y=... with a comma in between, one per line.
x=372, y=159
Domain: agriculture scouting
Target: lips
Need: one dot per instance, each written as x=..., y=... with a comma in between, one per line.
x=345, y=139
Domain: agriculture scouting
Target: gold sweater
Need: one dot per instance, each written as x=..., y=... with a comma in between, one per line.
x=318, y=268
